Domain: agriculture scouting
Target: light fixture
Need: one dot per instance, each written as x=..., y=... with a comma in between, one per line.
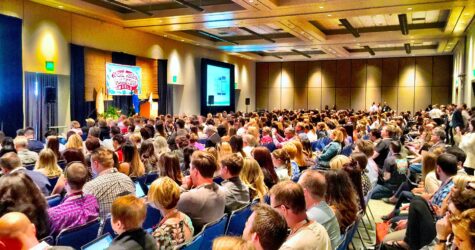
x=182, y=40
x=407, y=47
x=403, y=23
x=60, y=6
x=127, y=7
x=321, y=7
x=409, y=8
x=329, y=15
x=257, y=34
x=370, y=50
x=349, y=27
x=301, y=53
x=216, y=37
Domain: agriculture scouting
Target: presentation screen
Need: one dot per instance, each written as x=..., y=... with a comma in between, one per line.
x=217, y=86
x=123, y=79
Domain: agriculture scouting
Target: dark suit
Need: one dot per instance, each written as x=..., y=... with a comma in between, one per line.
x=36, y=146
x=136, y=239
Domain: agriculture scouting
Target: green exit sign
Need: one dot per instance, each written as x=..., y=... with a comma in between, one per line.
x=474, y=73
x=174, y=79
x=49, y=66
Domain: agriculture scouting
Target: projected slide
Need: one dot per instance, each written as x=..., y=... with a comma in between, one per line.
x=218, y=86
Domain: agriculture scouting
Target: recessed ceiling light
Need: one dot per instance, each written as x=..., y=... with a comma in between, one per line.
x=329, y=15
x=466, y=14
x=251, y=1
x=165, y=35
x=60, y=6
x=321, y=7
x=409, y=8
x=182, y=40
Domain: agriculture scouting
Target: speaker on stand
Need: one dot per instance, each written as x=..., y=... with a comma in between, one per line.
x=248, y=102
x=211, y=100
x=50, y=101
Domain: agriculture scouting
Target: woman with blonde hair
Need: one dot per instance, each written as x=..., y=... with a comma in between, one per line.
x=47, y=164
x=231, y=243
x=281, y=161
x=161, y=145
x=300, y=157
x=338, y=161
x=252, y=176
x=75, y=141
x=176, y=227
x=225, y=149
x=291, y=150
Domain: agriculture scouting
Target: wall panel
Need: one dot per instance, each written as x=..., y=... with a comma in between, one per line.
x=275, y=75
x=372, y=95
x=314, y=74
x=342, y=99
x=262, y=100
x=423, y=71
x=358, y=73
x=300, y=98
x=262, y=76
x=442, y=73
x=287, y=101
x=407, y=71
x=301, y=74
x=287, y=75
x=358, y=98
x=440, y=95
x=374, y=72
x=328, y=97
x=328, y=73
x=274, y=98
x=343, y=73
x=423, y=97
x=390, y=75
x=389, y=95
x=406, y=99
x=315, y=98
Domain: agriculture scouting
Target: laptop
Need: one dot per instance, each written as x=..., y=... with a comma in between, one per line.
x=103, y=242
x=139, y=192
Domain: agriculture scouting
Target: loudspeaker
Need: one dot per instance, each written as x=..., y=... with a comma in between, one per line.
x=50, y=95
x=248, y=101
x=211, y=99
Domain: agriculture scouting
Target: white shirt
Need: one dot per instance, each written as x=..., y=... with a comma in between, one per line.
x=311, y=237
x=435, y=113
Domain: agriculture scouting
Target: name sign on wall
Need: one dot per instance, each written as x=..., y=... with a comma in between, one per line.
x=123, y=79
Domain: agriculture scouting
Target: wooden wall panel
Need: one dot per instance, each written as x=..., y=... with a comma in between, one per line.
x=358, y=98
x=423, y=97
x=374, y=72
x=328, y=73
x=149, y=77
x=301, y=74
x=95, y=73
x=407, y=71
x=315, y=98
x=300, y=98
x=372, y=95
x=406, y=99
x=343, y=73
x=287, y=101
x=262, y=98
x=262, y=75
x=342, y=98
x=287, y=75
x=423, y=71
x=274, y=98
x=441, y=95
x=328, y=97
x=358, y=73
x=275, y=75
x=314, y=74
x=389, y=95
x=442, y=73
x=390, y=74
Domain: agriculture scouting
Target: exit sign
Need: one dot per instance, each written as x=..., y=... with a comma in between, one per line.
x=174, y=79
x=49, y=66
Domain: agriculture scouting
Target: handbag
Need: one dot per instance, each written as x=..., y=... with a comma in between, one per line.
x=382, y=229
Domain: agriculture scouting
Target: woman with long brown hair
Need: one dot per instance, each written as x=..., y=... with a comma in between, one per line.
x=169, y=165
x=132, y=165
x=263, y=156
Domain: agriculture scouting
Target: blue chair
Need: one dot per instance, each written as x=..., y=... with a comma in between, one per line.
x=62, y=164
x=151, y=177
x=54, y=200
x=271, y=146
x=348, y=236
x=237, y=220
x=52, y=182
x=153, y=217
x=106, y=226
x=78, y=236
x=212, y=231
x=202, y=141
x=29, y=166
x=48, y=239
x=195, y=243
x=347, y=150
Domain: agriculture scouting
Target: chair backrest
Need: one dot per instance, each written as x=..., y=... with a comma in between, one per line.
x=212, y=231
x=348, y=236
x=52, y=182
x=194, y=244
x=347, y=150
x=151, y=177
x=78, y=236
x=106, y=226
x=62, y=164
x=237, y=220
x=153, y=217
x=29, y=166
x=53, y=200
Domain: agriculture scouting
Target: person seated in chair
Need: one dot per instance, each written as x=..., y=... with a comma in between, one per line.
x=237, y=193
x=127, y=215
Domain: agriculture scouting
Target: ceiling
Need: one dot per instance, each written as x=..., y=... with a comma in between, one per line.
x=269, y=30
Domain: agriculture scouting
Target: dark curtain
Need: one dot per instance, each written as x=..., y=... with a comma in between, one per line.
x=80, y=109
x=123, y=102
x=162, y=86
x=41, y=109
x=11, y=82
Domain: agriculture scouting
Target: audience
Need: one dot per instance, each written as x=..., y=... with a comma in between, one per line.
x=281, y=162
x=205, y=201
x=288, y=199
x=251, y=175
x=132, y=165
x=127, y=215
x=169, y=166
x=76, y=208
x=27, y=156
x=237, y=193
x=47, y=164
x=108, y=183
x=231, y=243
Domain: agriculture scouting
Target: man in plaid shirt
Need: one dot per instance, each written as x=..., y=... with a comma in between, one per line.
x=109, y=183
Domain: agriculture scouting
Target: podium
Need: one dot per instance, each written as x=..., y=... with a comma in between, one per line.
x=148, y=109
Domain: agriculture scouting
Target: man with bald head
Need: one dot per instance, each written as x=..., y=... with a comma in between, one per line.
x=17, y=232
x=314, y=188
x=77, y=208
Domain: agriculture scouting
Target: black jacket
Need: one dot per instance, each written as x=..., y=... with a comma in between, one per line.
x=136, y=239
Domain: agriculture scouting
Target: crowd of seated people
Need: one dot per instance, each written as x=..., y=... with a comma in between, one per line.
x=308, y=174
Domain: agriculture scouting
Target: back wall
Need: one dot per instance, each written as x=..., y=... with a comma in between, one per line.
x=406, y=83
